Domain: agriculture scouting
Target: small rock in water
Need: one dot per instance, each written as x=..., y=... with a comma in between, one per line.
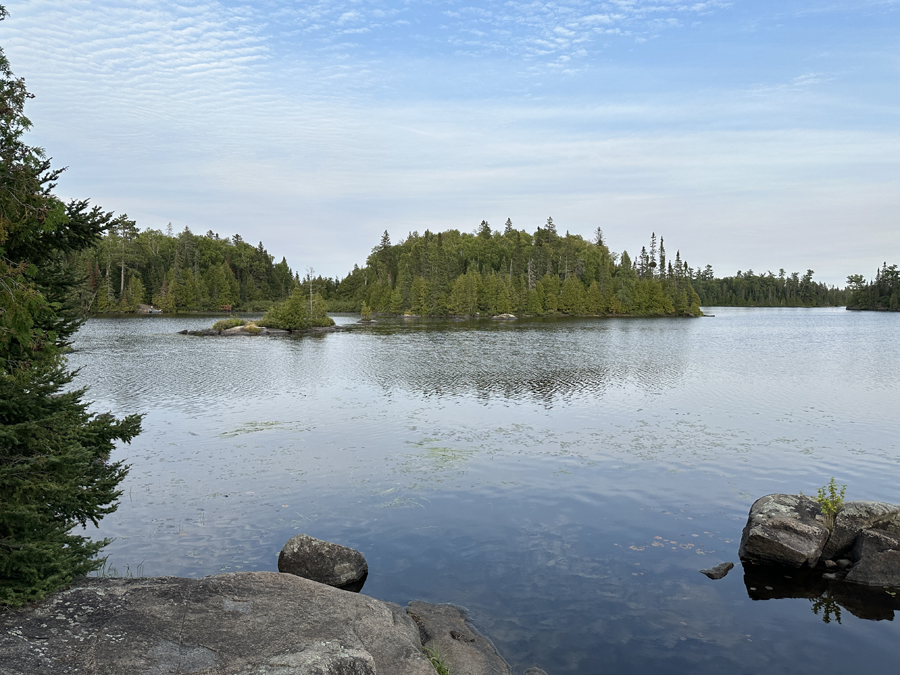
x=830, y=576
x=830, y=564
x=719, y=570
x=844, y=564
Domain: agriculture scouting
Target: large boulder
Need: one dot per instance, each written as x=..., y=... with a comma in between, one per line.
x=323, y=561
x=444, y=630
x=855, y=517
x=248, y=623
x=784, y=530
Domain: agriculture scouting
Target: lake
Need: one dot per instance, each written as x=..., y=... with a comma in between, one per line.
x=563, y=479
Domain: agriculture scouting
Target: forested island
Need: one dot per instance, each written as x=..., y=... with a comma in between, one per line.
x=882, y=294
x=486, y=272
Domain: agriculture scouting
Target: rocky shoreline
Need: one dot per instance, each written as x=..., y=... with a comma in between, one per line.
x=309, y=618
x=239, y=331
x=244, y=623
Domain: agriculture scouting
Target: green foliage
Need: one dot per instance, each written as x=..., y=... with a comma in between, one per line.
x=488, y=272
x=748, y=289
x=438, y=660
x=297, y=312
x=365, y=312
x=225, y=324
x=831, y=499
x=178, y=272
x=55, y=467
x=883, y=293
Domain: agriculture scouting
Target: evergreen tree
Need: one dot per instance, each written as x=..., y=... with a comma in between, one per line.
x=55, y=467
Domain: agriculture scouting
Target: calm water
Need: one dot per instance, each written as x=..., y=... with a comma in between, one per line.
x=564, y=480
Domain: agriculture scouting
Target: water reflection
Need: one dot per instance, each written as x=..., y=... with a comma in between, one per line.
x=564, y=480
x=548, y=361
x=827, y=598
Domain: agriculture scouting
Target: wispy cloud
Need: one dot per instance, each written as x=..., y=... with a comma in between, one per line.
x=314, y=126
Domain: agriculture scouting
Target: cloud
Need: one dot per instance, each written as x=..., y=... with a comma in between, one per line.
x=267, y=119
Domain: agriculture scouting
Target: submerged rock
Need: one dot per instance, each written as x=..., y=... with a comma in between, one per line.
x=323, y=561
x=719, y=571
x=784, y=530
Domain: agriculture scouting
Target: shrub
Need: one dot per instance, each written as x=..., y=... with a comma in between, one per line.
x=831, y=500
x=294, y=313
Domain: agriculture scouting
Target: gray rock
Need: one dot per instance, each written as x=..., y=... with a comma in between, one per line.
x=719, y=570
x=871, y=542
x=535, y=671
x=249, y=623
x=323, y=561
x=844, y=563
x=830, y=565
x=879, y=569
x=856, y=516
x=876, y=555
x=783, y=530
x=445, y=629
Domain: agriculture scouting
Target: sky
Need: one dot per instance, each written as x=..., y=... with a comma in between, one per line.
x=750, y=135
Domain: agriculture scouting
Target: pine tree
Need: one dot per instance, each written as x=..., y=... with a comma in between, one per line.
x=55, y=466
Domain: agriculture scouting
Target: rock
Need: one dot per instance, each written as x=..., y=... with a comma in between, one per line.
x=844, y=563
x=248, y=623
x=872, y=542
x=535, y=671
x=877, y=559
x=830, y=565
x=444, y=628
x=323, y=561
x=504, y=317
x=855, y=517
x=236, y=330
x=830, y=576
x=719, y=570
x=881, y=569
x=783, y=530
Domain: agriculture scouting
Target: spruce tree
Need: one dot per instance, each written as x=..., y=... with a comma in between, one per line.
x=56, y=474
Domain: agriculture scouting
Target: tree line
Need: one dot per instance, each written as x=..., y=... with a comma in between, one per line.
x=177, y=272
x=436, y=274
x=747, y=289
x=492, y=272
x=882, y=293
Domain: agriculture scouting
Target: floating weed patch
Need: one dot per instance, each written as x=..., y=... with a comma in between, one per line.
x=401, y=503
x=254, y=427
